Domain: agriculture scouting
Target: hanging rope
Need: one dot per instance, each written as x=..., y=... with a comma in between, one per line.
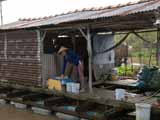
x=116, y=45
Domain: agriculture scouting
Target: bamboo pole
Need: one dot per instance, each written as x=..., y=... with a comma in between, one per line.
x=5, y=45
x=157, y=24
x=89, y=48
x=1, y=12
x=89, y=58
x=158, y=47
x=40, y=38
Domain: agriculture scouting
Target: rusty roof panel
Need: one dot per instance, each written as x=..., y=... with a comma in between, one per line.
x=64, y=18
x=132, y=9
x=86, y=14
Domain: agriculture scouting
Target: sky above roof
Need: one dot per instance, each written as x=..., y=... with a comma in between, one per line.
x=15, y=9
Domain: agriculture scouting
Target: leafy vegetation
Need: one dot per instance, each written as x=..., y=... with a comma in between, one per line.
x=125, y=70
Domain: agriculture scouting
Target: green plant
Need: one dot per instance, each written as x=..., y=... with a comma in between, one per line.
x=125, y=70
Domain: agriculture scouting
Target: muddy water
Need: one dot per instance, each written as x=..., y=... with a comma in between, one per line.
x=8, y=112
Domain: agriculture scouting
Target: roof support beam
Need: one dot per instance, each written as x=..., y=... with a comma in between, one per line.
x=138, y=31
x=83, y=33
x=87, y=36
x=142, y=38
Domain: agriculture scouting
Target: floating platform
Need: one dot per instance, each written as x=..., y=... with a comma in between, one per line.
x=101, y=102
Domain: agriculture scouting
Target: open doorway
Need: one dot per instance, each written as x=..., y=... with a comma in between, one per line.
x=52, y=62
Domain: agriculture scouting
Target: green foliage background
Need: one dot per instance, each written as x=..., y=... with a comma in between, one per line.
x=141, y=49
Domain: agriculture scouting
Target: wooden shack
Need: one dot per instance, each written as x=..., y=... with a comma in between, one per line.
x=22, y=56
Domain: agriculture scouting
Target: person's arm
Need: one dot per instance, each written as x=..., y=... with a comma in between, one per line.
x=64, y=66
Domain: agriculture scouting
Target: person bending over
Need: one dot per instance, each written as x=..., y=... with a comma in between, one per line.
x=72, y=58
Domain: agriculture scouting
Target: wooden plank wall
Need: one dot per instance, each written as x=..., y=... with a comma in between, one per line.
x=20, y=64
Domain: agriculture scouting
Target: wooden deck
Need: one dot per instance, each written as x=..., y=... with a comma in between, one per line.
x=100, y=96
x=126, y=82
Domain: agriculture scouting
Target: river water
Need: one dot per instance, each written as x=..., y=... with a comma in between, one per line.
x=8, y=112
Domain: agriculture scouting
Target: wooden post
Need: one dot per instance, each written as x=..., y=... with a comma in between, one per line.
x=5, y=45
x=39, y=44
x=157, y=23
x=158, y=47
x=40, y=38
x=89, y=48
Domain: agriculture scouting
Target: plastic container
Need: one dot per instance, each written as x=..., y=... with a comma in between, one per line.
x=69, y=87
x=65, y=81
x=143, y=111
x=41, y=111
x=114, y=74
x=20, y=106
x=54, y=84
x=75, y=88
x=120, y=94
x=2, y=102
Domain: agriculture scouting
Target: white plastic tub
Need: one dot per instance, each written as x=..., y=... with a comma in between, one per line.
x=69, y=87
x=143, y=111
x=75, y=88
x=120, y=94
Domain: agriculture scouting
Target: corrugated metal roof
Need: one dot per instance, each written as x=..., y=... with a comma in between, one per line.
x=86, y=14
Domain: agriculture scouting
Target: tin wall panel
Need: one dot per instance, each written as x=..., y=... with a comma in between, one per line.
x=21, y=64
x=48, y=67
x=51, y=66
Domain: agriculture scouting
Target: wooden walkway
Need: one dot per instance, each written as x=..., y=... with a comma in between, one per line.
x=99, y=96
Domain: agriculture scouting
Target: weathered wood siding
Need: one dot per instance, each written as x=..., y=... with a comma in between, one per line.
x=19, y=58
